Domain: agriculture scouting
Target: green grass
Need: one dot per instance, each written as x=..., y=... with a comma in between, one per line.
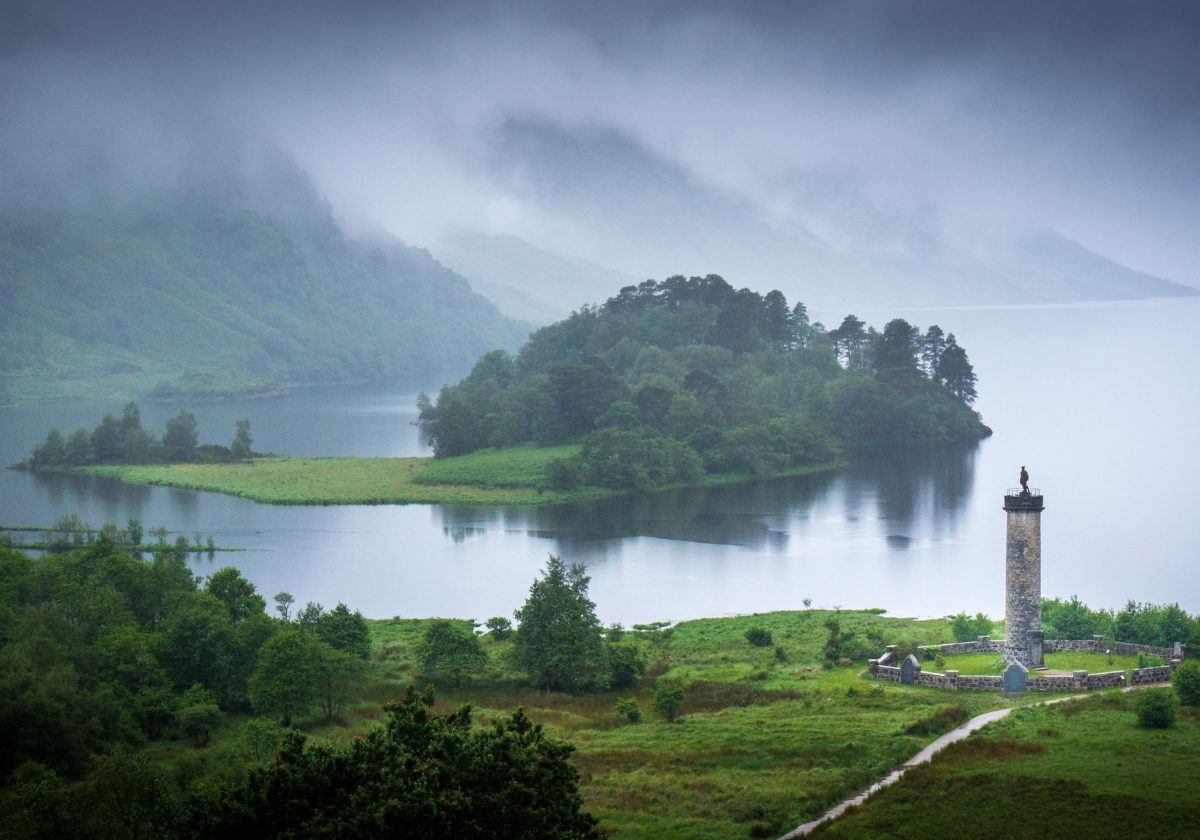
x=993, y=663
x=510, y=476
x=326, y=481
x=517, y=466
x=763, y=743
x=1079, y=769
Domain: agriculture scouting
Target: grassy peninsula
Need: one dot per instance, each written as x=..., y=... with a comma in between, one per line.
x=513, y=476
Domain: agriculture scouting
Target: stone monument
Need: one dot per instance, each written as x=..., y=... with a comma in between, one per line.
x=1023, y=575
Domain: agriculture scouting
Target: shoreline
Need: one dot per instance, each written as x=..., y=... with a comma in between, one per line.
x=495, y=477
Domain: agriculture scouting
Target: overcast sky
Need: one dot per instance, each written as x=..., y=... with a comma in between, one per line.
x=1084, y=116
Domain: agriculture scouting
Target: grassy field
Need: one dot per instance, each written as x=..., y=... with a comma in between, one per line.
x=993, y=663
x=511, y=476
x=1080, y=769
x=766, y=740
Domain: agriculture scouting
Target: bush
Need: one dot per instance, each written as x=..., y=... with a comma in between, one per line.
x=625, y=663
x=1186, y=680
x=1156, y=708
x=449, y=649
x=629, y=709
x=943, y=720
x=759, y=636
x=1150, y=660
x=968, y=629
x=499, y=626
x=668, y=699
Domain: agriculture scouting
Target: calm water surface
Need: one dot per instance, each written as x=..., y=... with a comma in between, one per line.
x=1099, y=401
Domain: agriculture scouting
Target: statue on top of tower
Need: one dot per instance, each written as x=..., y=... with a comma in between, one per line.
x=1024, y=481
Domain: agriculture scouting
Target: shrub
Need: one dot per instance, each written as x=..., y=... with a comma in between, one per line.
x=628, y=708
x=1186, y=680
x=1156, y=708
x=939, y=662
x=449, y=649
x=1150, y=660
x=626, y=664
x=968, y=629
x=942, y=720
x=758, y=636
x=499, y=626
x=668, y=699
x=780, y=654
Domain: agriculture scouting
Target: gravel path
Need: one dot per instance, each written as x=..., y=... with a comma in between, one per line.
x=923, y=757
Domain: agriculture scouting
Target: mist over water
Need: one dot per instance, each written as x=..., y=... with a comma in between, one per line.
x=1097, y=400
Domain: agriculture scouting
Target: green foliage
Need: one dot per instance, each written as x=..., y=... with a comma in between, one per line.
x=199, y=714
x=450, y=649
x=260, y=739
x=237, y=594
x=667, y=377
x=283, y=605
x=499, y=627
x=1075, y=620
x=668, y=699
x=839, y=643
x=181, y=438
x=209, y=281
x=336, y=677
x=282, y=683
x=345, y=631
x=968, y=629
x=636, y=459
x=1186, y=680
x=1150, y=624
x=1156, y=708
x=625, y=663
x=242, y=441
x=759, y=637
x=421, y=774
x=559, y=643
x=1150, y=660
x=627, y=709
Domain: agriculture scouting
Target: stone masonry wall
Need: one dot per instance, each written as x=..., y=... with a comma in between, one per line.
x=1075, y=681
x=1107, y=679
x=1022, y=581
x=1157, y=674
x=1132, y=650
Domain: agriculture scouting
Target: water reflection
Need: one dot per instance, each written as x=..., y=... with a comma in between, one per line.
x=908, y=493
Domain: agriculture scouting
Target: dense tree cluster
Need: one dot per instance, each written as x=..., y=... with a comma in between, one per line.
x=1160, y=625
x=102, y=652
x=668, y=380
x=421, y=775
x=124, y=441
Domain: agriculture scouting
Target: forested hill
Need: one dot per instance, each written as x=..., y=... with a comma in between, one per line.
x=666, y=380
x=219, y=284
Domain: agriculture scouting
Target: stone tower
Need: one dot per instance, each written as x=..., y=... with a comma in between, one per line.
x=1023, y=577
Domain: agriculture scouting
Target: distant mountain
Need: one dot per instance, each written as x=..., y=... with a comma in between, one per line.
x=524, y=281
x=225, y=282
x=818, y=238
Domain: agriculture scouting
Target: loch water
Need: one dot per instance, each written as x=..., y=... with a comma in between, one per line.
x=1100, y=401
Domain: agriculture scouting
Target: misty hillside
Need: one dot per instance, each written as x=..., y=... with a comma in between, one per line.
x=524, y=281
x=819, y=237
x=223, y=283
